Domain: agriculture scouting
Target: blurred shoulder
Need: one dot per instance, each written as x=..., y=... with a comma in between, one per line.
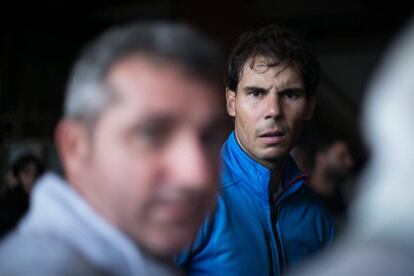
x=42, y=255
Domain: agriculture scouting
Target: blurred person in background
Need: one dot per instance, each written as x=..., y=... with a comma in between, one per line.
x=15, y=199
x=9, y=180
x=380, y=238
x=331, y=171
x=139, y=143
x=266, y=218
x=300, y=153
x=27, y=169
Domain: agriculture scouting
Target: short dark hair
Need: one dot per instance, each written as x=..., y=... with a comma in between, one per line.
x=278, y=44
x=87, y=94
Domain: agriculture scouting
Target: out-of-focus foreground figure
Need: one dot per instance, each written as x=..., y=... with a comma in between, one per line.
x=139, y=143
x=380, y=239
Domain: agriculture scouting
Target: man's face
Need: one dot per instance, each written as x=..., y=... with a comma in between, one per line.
x=338, y=161
x=152, y=162
x=28, y=175
x=269, y=109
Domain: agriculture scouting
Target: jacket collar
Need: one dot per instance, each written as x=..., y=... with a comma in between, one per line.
x=57, y=208
x=257, y=176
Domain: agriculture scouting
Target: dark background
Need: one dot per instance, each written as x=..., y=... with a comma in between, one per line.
x=41, y=39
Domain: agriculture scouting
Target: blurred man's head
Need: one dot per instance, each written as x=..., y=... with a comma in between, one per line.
x=332, y=163
x=335, y=160
x=271, y=83
x=26, y=169
x=142, y=129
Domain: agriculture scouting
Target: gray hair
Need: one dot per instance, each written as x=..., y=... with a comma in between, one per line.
x=87, y=94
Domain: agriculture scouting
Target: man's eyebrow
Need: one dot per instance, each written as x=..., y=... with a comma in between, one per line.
x=255, y=88
x=293, y=89
x=163, y=120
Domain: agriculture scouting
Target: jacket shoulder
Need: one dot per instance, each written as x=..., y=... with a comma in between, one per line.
x=310, y=207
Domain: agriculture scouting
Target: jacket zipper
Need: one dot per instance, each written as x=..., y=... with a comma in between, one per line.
x=274, y=215
x=269, y=251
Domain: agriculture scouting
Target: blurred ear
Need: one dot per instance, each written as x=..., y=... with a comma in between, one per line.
x=72, y=140
x=231, y=102
x=310, y=107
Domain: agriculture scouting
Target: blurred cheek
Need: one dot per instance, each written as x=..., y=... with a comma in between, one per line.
x=143, y=176
x=131, y=175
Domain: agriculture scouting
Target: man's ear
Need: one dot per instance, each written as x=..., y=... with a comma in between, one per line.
x=231, y=102
x=310, y=107
x=73, y=144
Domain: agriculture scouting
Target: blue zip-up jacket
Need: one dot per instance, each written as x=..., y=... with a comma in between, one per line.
x=249, y=235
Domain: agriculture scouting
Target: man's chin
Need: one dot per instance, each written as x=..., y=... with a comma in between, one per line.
x=272, y=155
x=166, y=244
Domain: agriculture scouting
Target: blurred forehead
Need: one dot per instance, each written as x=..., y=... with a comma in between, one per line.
x=149, y=84
x=339, y=147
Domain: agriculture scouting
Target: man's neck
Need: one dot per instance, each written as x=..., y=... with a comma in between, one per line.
x=275, y=187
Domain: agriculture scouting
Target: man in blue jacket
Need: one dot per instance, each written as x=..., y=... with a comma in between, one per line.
x=265, y=220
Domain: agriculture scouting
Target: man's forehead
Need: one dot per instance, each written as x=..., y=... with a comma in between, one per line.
x=142, y=70
x=141, y=85
x=140, y=77
x=261, y=60
x=266, y=69
x=340, y=144
x=135, y=66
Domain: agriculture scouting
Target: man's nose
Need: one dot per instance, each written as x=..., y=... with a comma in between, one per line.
x=190, y=164
x=273, y=107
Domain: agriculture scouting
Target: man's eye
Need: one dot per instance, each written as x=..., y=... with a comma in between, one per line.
x=256, y=93
x=291, y=95
x=153, y=135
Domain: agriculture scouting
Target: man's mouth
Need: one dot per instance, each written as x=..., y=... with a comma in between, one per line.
x=272, y=137
x=181, y=208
